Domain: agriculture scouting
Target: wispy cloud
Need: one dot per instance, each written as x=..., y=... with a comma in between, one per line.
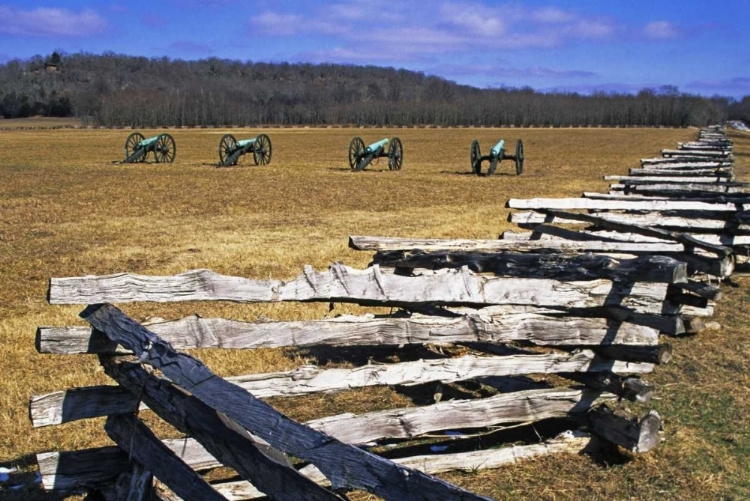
x=661, y=30
x=44, y=21
x=733, y=85
x=407, y=29
x=188, y=47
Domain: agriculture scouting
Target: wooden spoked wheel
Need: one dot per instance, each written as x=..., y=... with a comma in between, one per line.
x=131, y=144
x=262, y=150
x=395, y=154
x=476, y=155
x=356, y=152
x=165, y=149
x=227, y=145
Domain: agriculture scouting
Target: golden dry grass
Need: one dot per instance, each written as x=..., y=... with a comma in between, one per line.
x=68, y=210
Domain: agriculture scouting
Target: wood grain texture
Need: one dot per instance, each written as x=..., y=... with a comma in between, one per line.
x=637, y=435
x=677, y=189
x=371, y=286
x=139, y=442
x=637, y=205
x=525, y=406
x=268, y=469
x=543, y=265
x=393, y=244
x=346, y=466
x=490, y=324
x=691, y=180
x=97, y=401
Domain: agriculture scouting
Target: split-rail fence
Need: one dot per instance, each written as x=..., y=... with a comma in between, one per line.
x=555, y=326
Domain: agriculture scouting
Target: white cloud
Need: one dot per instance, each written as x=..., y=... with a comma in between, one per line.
x=661, y=30
x=44, y=21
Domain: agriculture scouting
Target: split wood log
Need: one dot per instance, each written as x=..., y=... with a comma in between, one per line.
x=133, y=437
x=486, y=324
x=637, y=435
x=691, y=180
x=695, y=153
x=725, y=240
x=367, y=287
x=637, y=355
x=700, y=289
x=714, y=197
x=75, y=471
x=635, y=205
x=549, y=265
x=667, y=324
x=345, y=465
x=96, y=401
x=607, y=222
x=685, y=161
x=518, y=407
x=722, y=172
x=678, y=189
x=630, y=388
x=645, y=220
x=394, y=243
x=567, y=442
x=268, y=469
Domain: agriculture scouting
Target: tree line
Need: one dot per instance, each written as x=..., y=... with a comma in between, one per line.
x=118, y=90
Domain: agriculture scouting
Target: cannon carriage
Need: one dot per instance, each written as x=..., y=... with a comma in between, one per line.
x=137, y=148
x=361, y=156
x=231, y=150
x=496, y=155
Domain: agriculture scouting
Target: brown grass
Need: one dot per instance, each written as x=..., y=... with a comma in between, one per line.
x=68, y=210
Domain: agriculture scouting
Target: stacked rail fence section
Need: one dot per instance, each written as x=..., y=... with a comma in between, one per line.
x=552, y=328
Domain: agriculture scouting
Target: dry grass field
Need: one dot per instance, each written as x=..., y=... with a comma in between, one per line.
x=68, y=209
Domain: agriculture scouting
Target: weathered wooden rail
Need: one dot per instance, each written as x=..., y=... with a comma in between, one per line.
x=587, y=305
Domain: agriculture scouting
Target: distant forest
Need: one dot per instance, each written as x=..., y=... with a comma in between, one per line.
x=114, y=90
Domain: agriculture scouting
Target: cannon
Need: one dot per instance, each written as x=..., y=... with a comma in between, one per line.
x=230, y=150
x=138, y=147
x=496, y=155
x=360, y=157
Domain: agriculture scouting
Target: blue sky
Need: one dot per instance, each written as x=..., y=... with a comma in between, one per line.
x=699, y=46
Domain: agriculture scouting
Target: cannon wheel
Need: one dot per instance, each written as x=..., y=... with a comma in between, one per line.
x=131, y=143
x=519, y=157
x=356, y=150
x=476, y=155
x=165, y=149
x=226, y=147
x=395, y=154
x=262, y=150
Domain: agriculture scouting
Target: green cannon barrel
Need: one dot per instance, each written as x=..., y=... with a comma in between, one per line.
x=245, y=142
x=148, y=141
x=497, y=149
x=376, y=146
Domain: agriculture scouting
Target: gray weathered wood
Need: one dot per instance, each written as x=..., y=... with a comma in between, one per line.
x=641, y=220
x=695, y=153
x=723, y=172
x=394, y=243
x=678, y=189
x=690, y=180
x=133, y=437
x=725, y=240
x=97, y=401
x=568, y=442
x=346, y=466
x=77, y=470
x=371, y=286
x=637, y=355
x=487, y=324
x=269, y=470
x=638, y=205
x=544, y=265
x=629, y=388
x=637, y=435
x=526, y=406
x=680, y=161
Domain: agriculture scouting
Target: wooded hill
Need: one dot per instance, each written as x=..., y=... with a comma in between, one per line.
x=113, y=89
